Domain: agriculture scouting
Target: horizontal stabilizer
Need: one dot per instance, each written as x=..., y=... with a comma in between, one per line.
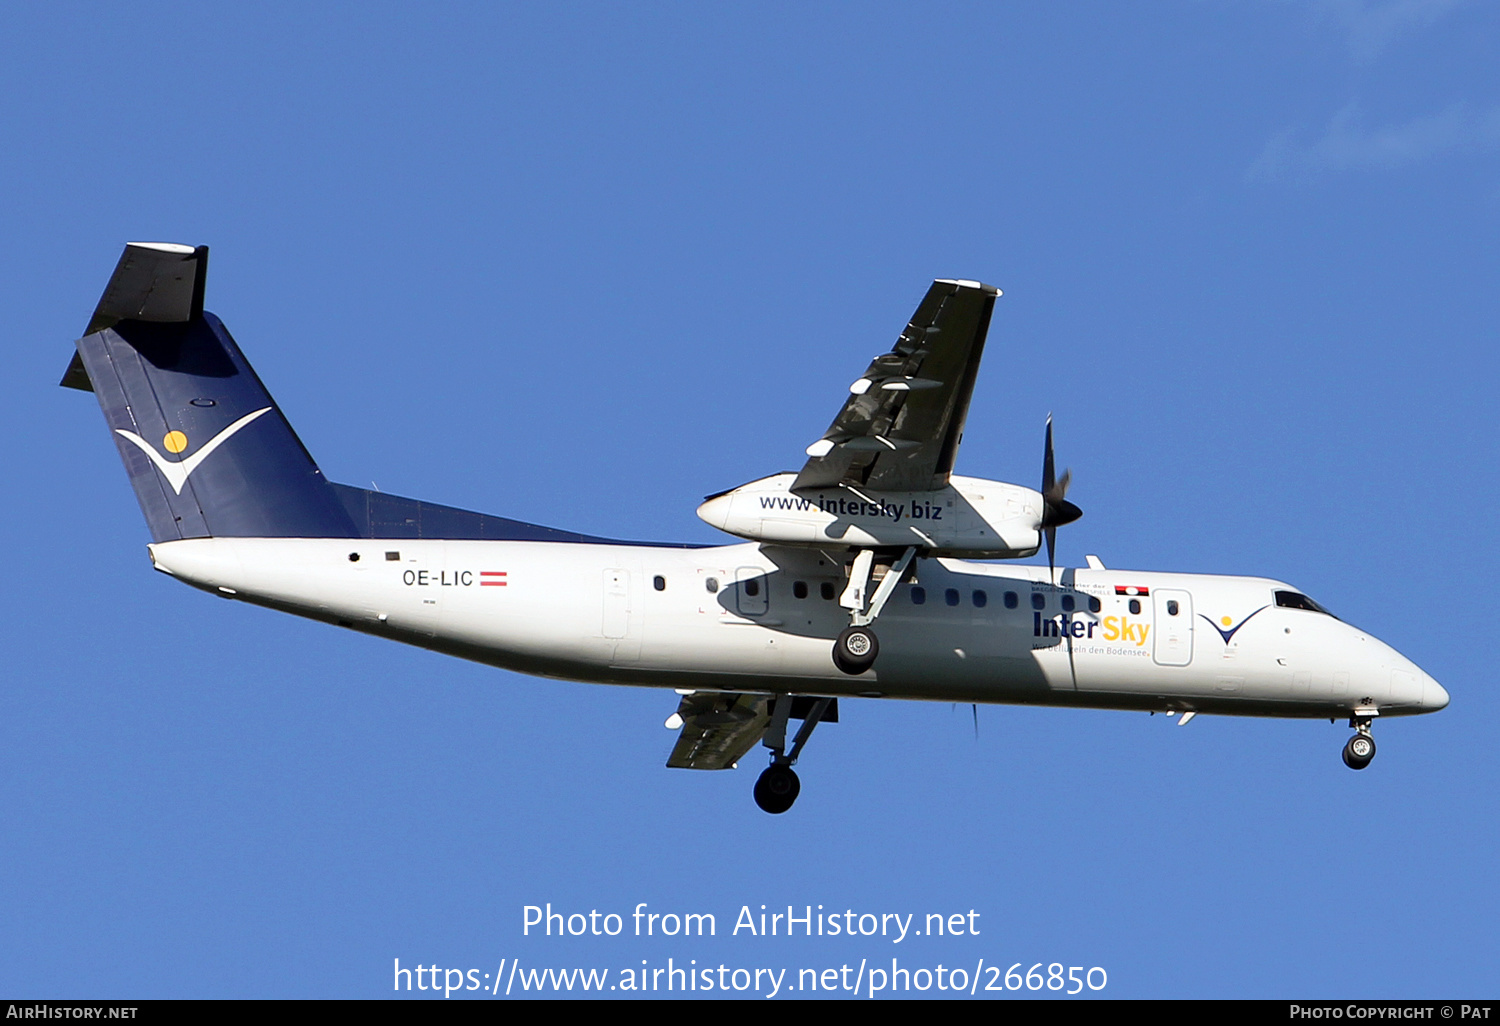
x=157, y=282
x=207, y=451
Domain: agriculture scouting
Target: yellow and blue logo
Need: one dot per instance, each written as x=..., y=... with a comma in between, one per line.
x=1230, y=627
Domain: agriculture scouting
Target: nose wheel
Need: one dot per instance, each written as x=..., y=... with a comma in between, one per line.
x=1360, y=749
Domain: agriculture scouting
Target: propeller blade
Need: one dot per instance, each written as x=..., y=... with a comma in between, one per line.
x=1047, y=479
x=1059, y=488
x=1056, y=509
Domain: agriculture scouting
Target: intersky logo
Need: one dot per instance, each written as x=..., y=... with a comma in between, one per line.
x=175, y=441
x=1227, y=634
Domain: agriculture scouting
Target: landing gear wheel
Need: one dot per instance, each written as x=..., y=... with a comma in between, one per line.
x=855, y=650
x=1359, y=751
x=777, y=789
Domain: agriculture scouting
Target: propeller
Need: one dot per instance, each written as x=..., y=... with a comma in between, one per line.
x=1056, y=509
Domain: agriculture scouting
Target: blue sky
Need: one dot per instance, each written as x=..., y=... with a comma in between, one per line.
x=584, y=264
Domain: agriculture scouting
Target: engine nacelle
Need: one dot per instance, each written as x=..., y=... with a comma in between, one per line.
x=971, y=517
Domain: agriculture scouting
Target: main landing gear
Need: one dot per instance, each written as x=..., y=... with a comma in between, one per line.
x=856, y=647
x=855, y=650
x=1361, y=747
x=778, y=787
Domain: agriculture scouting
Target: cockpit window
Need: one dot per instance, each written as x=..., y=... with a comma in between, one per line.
x=1296, y=600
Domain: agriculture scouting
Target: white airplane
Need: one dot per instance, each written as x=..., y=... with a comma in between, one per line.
x=874, y=529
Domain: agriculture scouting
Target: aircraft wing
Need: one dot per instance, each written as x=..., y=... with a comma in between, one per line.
x=900, y=428
x=718, y=728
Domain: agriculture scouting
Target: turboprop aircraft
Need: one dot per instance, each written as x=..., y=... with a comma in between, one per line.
x=875, y=529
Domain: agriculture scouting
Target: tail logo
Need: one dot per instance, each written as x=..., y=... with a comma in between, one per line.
x=177, y=473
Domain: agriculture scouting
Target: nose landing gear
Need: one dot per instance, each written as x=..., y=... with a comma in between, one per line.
x=1359, y=751
x=1361, y=747
x=777, y=789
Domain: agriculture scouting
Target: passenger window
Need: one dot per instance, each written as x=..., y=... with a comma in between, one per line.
x=799, y=589
x=1038, y=600
x=826, y=590
x=659, y=583
x=1172, y=607
x=712, y=584
x=1012, y=600
x=918, y=595
x=951, y=596
x=1094, y=604
x=1067, y=603
x=752, y=587
x=1135, y=605
x=980, y=600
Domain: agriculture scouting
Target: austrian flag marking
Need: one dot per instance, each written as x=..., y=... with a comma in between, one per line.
x=492, y=578
x=1130, y=589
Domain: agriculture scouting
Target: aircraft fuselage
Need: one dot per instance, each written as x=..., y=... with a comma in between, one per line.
x=875, y=526
x=760, y=619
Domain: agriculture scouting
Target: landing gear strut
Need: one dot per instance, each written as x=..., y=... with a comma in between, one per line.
x=855, y=649
x=1361, y=747
x=778, y=787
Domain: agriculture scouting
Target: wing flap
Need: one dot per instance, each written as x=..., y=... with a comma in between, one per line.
x=718, y=728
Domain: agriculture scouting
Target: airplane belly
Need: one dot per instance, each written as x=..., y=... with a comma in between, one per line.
x=713, y=647
x=1084, y=667
x=571, y=617
x=975, y=657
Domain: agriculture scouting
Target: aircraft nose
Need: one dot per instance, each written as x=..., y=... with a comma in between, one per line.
x=1434, y=695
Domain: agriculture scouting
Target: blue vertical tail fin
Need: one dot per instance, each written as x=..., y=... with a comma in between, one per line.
x=206, y=447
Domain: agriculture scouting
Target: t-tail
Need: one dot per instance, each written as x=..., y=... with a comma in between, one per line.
x=206, y=447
